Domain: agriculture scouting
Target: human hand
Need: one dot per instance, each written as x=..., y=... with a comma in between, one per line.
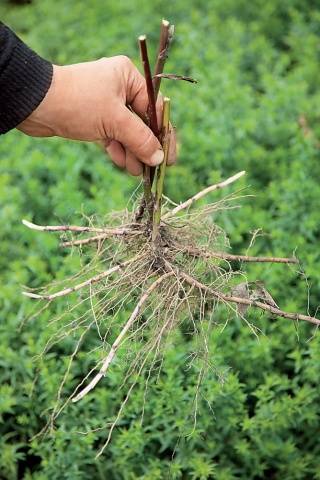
x=89, y=101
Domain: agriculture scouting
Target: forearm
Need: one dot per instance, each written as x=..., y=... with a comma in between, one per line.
x=24, y=80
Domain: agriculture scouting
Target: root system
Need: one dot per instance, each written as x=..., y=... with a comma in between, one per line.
x=171, y=265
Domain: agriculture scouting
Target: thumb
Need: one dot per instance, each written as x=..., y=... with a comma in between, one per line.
x=132, y=133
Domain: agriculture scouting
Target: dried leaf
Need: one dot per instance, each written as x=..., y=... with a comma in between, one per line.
x=242, y=291
x=172, y=76
x=260, y=293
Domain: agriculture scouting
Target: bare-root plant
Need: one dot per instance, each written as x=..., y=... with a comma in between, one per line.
x=173, y=263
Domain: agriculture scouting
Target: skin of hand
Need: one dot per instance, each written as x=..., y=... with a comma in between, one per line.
x=102, y=101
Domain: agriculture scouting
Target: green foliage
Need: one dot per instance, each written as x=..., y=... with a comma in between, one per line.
x=256, y=107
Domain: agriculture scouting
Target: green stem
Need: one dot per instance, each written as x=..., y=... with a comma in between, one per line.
x=161, y=170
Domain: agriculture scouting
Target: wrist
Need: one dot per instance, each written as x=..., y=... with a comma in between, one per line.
x=42, y=121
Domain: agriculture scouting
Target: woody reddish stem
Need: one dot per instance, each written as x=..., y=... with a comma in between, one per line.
x=152, y=112
x=151, y=119
x=153, y=85
x=166, y=36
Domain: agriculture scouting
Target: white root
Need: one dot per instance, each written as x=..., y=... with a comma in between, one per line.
x=84, y=241
x=98, y=238
x=74, y=228
x=201, y=194
x=250, y=303
x=115, y=346
x=90, y=281
x=240, y=258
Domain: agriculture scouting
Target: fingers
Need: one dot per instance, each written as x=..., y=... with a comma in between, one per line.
x=132, y=133
x=137, y=97
x=117, y=153
x=123, y=158
x=137, y=139
x=133, y=165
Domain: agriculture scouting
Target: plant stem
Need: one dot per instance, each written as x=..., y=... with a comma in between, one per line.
x=161, y=169
x=166, y=36
x=148, y=198
x=151, y=118
x=152, y=113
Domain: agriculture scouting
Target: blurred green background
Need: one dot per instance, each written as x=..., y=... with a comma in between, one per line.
x=256, y=107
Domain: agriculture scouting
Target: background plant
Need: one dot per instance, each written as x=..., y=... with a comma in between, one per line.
x=256, y=108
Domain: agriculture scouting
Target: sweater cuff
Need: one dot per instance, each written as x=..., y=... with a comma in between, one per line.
x=25, y=78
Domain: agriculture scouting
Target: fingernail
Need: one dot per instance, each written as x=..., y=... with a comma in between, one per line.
x=157, y=158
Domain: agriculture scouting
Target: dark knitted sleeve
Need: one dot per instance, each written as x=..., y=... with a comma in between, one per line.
x=24, y=79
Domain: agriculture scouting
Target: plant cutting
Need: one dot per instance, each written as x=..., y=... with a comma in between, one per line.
x=172, y=260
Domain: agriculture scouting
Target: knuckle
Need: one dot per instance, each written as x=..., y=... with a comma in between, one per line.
x=125, y=61
x=118, y=62
x=104, y=60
